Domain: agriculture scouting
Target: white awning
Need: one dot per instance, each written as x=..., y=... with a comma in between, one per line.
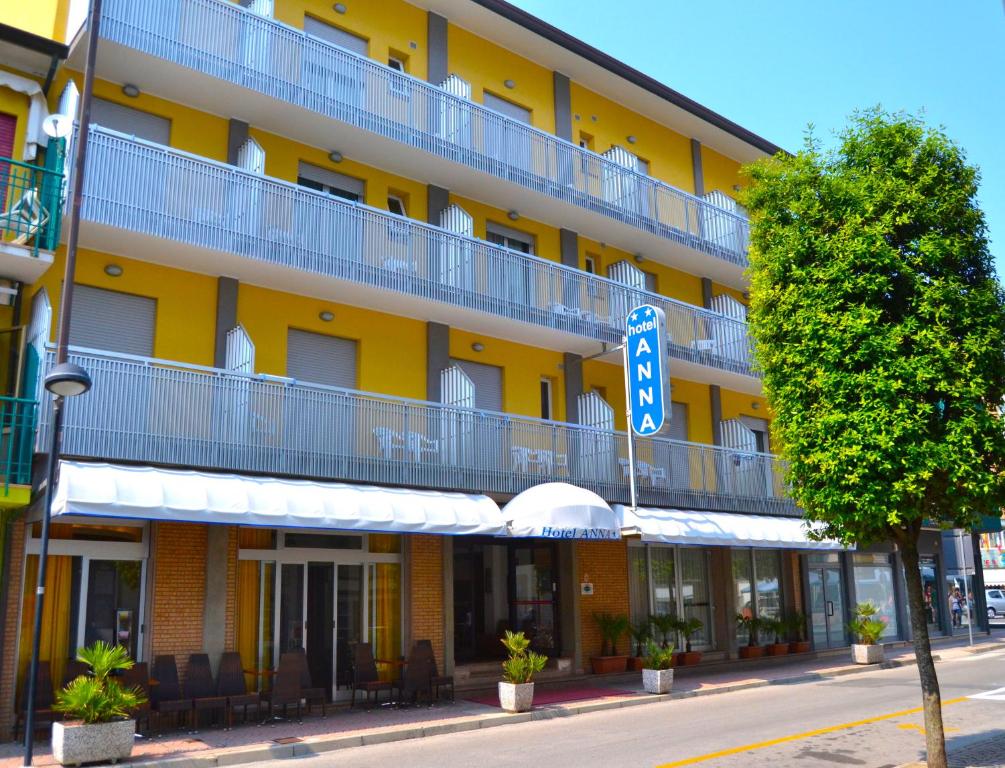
x=561, y=511
x=994, y=577
x=151, y=493
x=674, y=526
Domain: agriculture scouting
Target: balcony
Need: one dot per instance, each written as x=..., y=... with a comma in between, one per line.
x=219, y=57
x=270, y=232
x=169, y=413
x=31, y=211
x=17, y=432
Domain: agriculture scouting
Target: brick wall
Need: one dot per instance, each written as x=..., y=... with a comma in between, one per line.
x=606, y=564
x=426, y=592
x=178, y=554
x=11, y=580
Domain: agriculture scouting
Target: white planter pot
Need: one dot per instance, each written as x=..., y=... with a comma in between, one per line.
x=867, y=654
x=657, y=680
x=515, y=697
x=76, y=743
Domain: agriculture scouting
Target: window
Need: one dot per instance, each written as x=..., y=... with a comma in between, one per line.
x=322, y=541
x=757, y=578
x=321, y=359
x=508, y=108
x=114, y=321
x=672, y=581
x=585, y=141
x=331, y=183
x=874, y=583
x=396, y=205
x=652, y=284
x=590, y=264
x=508, y=237
x=546, y=405
x=134, y=122
x=396, y=63
x=643, y=166
x=336, y=36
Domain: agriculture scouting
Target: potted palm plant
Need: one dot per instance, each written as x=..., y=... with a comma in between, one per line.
x=640, y=632
x=867, y=628
x=750, y=623
x=98, y=726
x=612, y=627
x=516, y=689
x=688, y=628
x=776, y=627
x=797, y=629
x=657, y=669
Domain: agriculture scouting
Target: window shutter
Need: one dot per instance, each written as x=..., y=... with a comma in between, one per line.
x=336, y=36
x=131, y=121
x=488, y=383
x=507, y=108
x=8, y=124
x=321, y=359
x=113, y=321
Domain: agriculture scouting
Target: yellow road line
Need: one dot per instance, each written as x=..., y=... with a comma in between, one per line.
x=799, y=736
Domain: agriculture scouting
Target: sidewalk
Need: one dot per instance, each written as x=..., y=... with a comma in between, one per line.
x=989, y=753
x=344, y=728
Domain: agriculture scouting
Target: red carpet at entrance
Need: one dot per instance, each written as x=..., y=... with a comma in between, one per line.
x=557, y=696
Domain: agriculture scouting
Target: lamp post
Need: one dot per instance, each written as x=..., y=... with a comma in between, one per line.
x=66, y=379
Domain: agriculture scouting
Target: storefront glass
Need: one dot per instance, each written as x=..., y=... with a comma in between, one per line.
x=757, y=578
x=934, y=602
x=874, y=583
x=743, y=592
x=673, y=581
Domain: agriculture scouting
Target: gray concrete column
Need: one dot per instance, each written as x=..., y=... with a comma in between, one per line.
x=572, y=366
x=699, y=174
x=437, y=358
x=226, y=317
x=715, y=396
x=437, y=200
x=237, y=134
x=563, y=107
x=706, y=292
x=214, y=641
x=436, y=44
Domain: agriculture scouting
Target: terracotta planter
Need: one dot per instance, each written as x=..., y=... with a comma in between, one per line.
x=676, y=660
x=657, y=680
x=802, y=646
x=605, y=665
x=635, y=663
x=516, y=697
x=751, y=651
x=74, y=743
x=689, y=658
x=867, y=654
x=778, y=649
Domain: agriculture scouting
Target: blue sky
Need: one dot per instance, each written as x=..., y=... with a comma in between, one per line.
x=776, y=65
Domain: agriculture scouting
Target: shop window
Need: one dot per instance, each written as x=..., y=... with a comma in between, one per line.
x=75, y=532
x=874, y=583
x=322, y=541
x=666, y=580
x=756, y=586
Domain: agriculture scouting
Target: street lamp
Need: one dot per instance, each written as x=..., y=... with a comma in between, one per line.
x=66, y=379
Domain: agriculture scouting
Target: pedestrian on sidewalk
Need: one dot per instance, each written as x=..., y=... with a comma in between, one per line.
x=956, y=606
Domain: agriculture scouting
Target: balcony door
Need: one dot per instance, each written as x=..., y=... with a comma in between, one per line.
x=339, y=78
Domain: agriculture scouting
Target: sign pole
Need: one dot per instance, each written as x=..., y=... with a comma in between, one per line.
x=630, y=431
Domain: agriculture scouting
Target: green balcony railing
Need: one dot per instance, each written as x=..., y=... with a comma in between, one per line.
x=32, y=202
x=18, y=418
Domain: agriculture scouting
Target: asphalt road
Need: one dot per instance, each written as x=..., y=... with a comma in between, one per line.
x=870, y=720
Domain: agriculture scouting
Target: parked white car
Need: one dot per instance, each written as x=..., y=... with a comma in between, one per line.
x=996, y=602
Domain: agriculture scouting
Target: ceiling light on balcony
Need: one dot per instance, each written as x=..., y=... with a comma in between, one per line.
x=755, y=406
x=512, y=215
x=509, y=84
x=113, y=270
x=130, y=90
x=326, y=316
x=639, y=258
x=335, y=156
x=339, y=7
x=477, y=346
x=630, y=139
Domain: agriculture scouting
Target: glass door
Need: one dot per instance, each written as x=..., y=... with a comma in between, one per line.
x=291, y=608
x=826, y=607
x=348, y=621
x=320, y=624
x=534, y=595
x=112, y=610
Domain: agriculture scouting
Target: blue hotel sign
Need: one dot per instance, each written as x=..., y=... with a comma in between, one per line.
x=646, y=370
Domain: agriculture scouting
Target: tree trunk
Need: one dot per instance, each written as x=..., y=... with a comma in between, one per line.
x=931, y=698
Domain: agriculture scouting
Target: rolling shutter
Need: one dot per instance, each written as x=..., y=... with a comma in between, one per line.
x=321, y=359
x=324, y=180
x=337, y=36
x=488, y=384
x=113, y=321
x=678, y=421
x=124, y=119
x=8, y=124
x=507, y=108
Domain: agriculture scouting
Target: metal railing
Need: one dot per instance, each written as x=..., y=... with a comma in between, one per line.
x=169, y=413
x=31, y=205
x=144, y=187
x=17, y=437
x=225, y=41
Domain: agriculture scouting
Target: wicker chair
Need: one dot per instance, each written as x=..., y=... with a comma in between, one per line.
x=364, y=675
x=168, y=698
x=138, y=676
x=437, y=680
x=417, y=678
x=232, y=685
x=311, y=694
x=44, y=714
x=285, y=685
x=201, y=689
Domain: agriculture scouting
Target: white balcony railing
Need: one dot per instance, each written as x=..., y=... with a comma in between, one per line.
x=227, y=42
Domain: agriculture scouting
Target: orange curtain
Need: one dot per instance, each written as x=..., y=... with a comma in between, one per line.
x=385, y=614
x=385, y=543
x=248, y=619
x=256, y=538
x=54, y=646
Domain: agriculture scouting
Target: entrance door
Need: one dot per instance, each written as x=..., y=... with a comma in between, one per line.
x=534, y=595
x=827, y=607
x=320, y=624
x=349, y=620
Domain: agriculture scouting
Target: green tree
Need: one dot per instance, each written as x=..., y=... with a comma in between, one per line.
x=880, y=331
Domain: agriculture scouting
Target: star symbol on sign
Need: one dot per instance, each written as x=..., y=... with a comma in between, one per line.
x=634, y=316
x=649, y=311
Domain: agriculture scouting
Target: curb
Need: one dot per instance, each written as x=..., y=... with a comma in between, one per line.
x=321, y=744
